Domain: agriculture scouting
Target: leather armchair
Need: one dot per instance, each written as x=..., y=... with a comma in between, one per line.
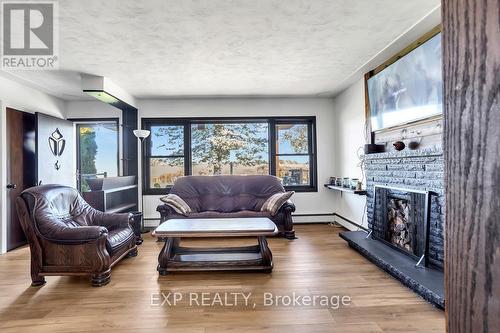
x=69, y=237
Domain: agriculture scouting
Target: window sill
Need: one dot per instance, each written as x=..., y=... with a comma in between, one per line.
x=297, y=189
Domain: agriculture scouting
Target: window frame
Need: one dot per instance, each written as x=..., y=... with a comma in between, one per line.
x=146, y=153
x=311, y=138
x=272, y=122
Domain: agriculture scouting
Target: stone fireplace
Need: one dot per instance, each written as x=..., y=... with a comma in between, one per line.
x=416, y=173
x=405, y=209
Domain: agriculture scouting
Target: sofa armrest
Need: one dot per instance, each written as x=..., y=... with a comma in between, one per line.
x=77, y=235
x=165, y=212
x=288, y=207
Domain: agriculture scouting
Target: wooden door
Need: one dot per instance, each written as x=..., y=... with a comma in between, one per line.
x=21, y=172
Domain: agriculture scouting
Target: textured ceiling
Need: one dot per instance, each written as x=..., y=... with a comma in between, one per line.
x=162, y=48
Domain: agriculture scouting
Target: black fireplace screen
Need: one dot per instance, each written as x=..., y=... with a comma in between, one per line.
x=401, y=219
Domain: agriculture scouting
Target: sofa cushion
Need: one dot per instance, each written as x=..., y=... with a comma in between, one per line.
x=226, y=194
x=214, y=214
x=118, y=239
x=177, y=204
x=274, y=202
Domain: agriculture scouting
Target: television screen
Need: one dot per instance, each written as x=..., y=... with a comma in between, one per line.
x=409, y=89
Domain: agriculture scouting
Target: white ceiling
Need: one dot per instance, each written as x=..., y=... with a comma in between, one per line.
x=165, y=48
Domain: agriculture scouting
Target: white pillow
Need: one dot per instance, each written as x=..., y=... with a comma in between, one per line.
x=177, y=204
x=275, y=201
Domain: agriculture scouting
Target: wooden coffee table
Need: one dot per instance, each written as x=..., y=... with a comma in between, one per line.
x=174, y=257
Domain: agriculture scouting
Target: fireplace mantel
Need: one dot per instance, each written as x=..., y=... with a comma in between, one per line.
x=437, y=151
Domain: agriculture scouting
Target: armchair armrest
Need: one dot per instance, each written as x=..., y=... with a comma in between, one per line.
x=108, y=220
x=77, y=235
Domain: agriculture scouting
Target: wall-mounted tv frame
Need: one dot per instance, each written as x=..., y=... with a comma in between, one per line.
x=390, y=106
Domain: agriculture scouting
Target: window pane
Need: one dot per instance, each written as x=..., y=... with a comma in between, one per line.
x=294, y=170
x=237, y=148
x=292, y=139
x=98, y=151
x=164, y=171
x=167, y=140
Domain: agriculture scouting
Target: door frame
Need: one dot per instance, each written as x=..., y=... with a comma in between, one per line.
x=3, y=179
x=24, y=177
x=4, y=194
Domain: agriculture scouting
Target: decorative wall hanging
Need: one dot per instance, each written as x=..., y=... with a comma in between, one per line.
x=57, y=143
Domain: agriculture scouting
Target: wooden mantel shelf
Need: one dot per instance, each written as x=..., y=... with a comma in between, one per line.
x=345, y=189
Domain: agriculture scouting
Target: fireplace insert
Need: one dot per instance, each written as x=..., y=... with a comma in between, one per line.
x=401, y=220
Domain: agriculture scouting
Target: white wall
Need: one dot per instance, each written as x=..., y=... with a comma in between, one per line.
x=23, y=98
x=91, y=109
x=349, y=108
x=320, y=202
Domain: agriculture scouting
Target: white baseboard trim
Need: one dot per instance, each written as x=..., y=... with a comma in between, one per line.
x=303, y=219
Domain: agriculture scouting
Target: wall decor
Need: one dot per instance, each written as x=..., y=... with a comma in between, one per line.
x=399, y=145
x=57, y=143
x=414, y=144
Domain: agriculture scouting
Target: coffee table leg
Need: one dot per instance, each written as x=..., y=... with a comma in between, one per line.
x=267, y=256
x=166, y=254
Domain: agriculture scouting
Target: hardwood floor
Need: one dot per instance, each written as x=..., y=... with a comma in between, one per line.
x=318, y=263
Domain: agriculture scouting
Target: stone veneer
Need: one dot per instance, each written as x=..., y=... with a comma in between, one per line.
x=412, y=169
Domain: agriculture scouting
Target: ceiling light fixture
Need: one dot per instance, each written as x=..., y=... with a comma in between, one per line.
x=103, y=96
x=107, y=92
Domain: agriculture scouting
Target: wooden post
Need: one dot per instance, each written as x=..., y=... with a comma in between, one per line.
x=471, y=58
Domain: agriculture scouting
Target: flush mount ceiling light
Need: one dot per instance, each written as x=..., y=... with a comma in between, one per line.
x=103, y=96
x=106, y=91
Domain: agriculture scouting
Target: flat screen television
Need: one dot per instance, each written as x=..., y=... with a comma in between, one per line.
x=409, y=89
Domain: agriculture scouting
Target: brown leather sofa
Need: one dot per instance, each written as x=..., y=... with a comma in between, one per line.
x=68, y=237
x=230, y=196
